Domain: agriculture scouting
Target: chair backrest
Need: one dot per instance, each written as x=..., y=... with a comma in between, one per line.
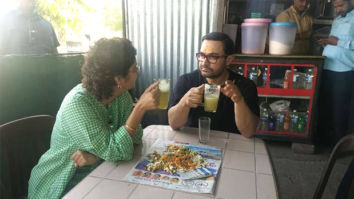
x=22, y=142
x=344, y=145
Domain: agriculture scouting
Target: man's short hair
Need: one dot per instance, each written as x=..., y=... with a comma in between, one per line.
x=229, y=47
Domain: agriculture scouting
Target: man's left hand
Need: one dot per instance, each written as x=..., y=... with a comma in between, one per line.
x=232, y=91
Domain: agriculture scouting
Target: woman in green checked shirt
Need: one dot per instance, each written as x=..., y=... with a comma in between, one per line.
x=96, y=120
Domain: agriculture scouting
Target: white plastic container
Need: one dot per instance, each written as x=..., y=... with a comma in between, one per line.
x=257, y=20
x=254, y=37
x=282, y=37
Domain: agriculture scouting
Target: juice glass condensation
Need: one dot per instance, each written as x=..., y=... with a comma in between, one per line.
x=164, y=87
x=211, y=97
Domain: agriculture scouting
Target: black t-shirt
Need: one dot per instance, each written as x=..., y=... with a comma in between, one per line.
x=224, y=118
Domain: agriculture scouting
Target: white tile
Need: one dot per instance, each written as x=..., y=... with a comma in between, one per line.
x=162, y=132
x=183, y=195
x=187, y=138
x=144, y=192
x=189, y=130
x=123, y=168
x=153, y=127
x=103, y=169
x=141, y=149
x=219, y=134
x=240, y=145
x=235, y=136
x=147, y=129
x=239, y=160
x=219, y=143
x=236, y=184
x=265, y=187
x=82, y=188
x=260, y=148
x=263, y=164
x=111, y=189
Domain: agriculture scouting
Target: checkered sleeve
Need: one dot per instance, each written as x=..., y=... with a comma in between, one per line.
x=90, y=132
x=137, y=139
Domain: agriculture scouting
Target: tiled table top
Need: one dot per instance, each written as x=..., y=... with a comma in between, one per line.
x=245, y=172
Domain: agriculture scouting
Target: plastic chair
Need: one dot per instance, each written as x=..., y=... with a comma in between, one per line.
x=22, y=142
x=344, y=145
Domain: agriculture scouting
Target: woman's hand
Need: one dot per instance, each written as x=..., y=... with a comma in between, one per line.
x=83, y=158
x=151, y=97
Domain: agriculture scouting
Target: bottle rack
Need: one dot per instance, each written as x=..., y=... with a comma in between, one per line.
x=300, y=88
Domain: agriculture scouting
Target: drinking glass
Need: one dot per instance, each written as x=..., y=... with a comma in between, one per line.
x=204, y=129
x=164, y=87
x=211, y=97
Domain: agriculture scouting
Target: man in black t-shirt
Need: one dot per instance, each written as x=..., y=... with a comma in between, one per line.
x=237, y=110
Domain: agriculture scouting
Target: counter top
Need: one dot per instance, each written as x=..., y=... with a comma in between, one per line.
x=279, y=56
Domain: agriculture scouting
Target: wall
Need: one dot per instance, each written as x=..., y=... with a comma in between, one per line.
x=31, y=85
x=167, y=34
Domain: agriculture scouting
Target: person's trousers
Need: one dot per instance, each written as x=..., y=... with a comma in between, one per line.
x=336, y=99
x=345, y=189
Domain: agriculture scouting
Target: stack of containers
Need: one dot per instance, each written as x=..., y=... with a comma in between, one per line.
x=282, y=37
x=254, y=33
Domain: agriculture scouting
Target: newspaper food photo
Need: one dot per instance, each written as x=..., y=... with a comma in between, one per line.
x=175, y=158
x=179, y=166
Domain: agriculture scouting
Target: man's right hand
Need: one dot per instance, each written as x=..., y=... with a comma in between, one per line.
x=194, y=97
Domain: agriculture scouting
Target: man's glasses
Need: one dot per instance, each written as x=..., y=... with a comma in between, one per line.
x=212, y=58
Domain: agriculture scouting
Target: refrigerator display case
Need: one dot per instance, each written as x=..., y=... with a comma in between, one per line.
x=288, y=88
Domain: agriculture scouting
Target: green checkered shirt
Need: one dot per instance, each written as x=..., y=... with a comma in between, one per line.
x=82, y=123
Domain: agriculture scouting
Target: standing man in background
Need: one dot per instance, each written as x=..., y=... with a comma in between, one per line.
x=298, y=13
x=23, y=31
x=338, y=74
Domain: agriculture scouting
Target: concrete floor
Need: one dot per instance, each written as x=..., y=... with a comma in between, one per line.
x=297, y=175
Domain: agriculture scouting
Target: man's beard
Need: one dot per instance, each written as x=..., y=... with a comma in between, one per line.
x=213, y=75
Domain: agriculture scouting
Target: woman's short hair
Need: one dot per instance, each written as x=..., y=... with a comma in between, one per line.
x=107, y=59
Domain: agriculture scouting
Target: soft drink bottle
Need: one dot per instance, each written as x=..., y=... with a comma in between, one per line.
x=264, y=78
x=306, y=116
x=293, y=124
x=301, y=124
x=295, y=79
x=286, y=121
x=271, y=122
x=286, y=79
x=264, y=119
x=279, y=123
x=253, y=75
x=240, y=70
x=308, y=79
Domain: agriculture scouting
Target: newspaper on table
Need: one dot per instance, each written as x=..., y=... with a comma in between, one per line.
x=201, y=180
